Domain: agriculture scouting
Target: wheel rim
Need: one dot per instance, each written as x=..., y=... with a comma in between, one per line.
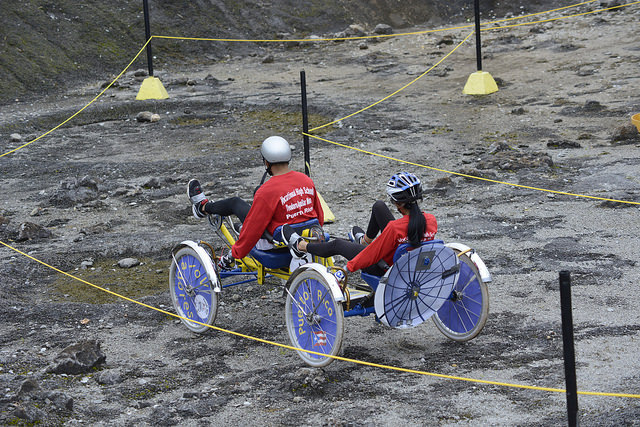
x=415, y=288
x=315, y=324
x=462, y=312
x=194, y=298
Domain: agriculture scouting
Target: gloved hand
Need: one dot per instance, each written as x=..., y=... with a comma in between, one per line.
x=226, y=262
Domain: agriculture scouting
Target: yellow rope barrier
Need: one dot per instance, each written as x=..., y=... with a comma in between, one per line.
x=332, y=39
x=344, y=359
x=366, y=152
x=560, y=17
x=466, y=38
x=466, y=175
x=328, y=39
x=399, y=90
x=83, y=108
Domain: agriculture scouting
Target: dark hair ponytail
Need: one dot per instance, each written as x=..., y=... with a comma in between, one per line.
x=417, y=225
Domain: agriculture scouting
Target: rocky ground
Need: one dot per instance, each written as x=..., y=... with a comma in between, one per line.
x=106, y=188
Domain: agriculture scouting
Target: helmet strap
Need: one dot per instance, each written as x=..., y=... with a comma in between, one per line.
x=267, y=167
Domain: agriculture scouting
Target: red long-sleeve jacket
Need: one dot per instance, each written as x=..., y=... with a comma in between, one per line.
x=385, y=245
x=289, y=198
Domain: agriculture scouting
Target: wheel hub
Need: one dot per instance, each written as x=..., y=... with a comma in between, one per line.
x=313, y=318
x=414, y=291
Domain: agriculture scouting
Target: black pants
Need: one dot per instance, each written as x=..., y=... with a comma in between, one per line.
x=226, y=207
x=380, y=217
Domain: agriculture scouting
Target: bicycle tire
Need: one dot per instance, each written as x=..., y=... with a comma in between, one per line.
x=191, y=290
x=464, y=314
x=315, y=321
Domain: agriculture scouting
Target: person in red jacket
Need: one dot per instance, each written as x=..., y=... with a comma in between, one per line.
x=288, y=197
x=365, y=251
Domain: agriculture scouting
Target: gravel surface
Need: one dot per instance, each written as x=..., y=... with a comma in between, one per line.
x=106, y=187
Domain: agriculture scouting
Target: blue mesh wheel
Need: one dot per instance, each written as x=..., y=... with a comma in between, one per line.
x=315, y=321
x=417, y=285
x=192, y=291
x=465, y=313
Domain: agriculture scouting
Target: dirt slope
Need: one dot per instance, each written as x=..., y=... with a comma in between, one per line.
x=46, y=46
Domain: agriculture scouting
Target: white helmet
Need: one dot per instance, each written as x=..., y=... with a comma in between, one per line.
x=276, y=149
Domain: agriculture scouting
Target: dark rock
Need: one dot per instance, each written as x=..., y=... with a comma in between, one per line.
x=593, y=106
x=152, y=183
x=563, y=144
x=513, y=160
x=31, y=231
x=383, y=29
x=72, y=191
x=518, y=111
x=109, y=377
x=78, y=358
x=60, y=400
x=609, y=4
x=445, y=40
x=586, y=71
x=30, y=414
x=145, y=116
x=567, y=47
x=625, y=134
x=29, y=386
x=128, y=262
x=355, y=30
x=497, y=147
x=162, y=416
x=3, y=222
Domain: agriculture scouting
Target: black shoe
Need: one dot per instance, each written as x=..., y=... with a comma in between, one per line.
x=291, y=238
x=197, y=198
x=357, y=235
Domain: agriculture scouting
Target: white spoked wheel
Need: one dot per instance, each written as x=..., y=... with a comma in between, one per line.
x=417, y=285
x=192, y=291
x=315, y=321
x=465, y=313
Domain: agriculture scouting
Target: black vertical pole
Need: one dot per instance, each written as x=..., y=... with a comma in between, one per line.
x=567, y=344
x=305, y=123
x=147, y=32
x=478, y=43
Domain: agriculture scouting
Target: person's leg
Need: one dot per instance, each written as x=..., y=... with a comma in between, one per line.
x=340, y=247
x=380, y=217
x=226, y=207
x=343, y=248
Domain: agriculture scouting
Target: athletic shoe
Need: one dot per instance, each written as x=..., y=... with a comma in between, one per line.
x=197, y=198
x=357, y=235
x=291, y=238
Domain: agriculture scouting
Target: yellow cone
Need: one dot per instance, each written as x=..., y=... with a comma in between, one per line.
x=152, y=89
x=480, y=83
x=328, y=215
x=635, y=119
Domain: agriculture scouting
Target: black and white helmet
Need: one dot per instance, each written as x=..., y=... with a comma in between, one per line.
x=276, y=149
x=404, y=187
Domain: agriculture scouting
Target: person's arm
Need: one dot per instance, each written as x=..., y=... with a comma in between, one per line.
x=379, y=249
x=432, y=226
x=253, y=226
